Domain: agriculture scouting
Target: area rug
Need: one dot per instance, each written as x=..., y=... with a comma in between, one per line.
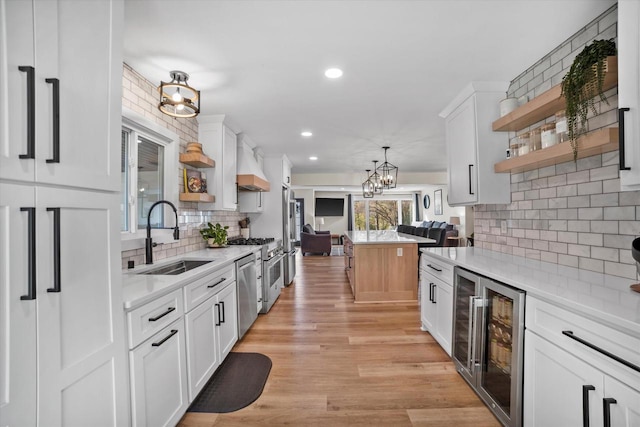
x=237, y=383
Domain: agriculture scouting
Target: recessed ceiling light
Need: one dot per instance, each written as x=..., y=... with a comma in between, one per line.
x=333, y=73
x=313, y=158
x=306, y=133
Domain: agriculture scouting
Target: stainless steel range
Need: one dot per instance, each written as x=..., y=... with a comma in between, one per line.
x=272, y=268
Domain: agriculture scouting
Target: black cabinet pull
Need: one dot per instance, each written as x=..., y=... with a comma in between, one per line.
x=585, y=404
x=56, y=120
x=606, y=410
x=621, y=111
x=31, y=249
x=160, y=316
x=431, y=292
x=163, y=340
x=56, y=251
x=433, y=268
x=223, y=316
x=470, y=189
x=217, y=283
x=603, y=351
x=433, y=299
x=31, y=111
x=218, y=309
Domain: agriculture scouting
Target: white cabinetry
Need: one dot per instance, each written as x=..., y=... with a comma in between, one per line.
x=258, y=264
x=566, y=381
x=436, y=299
x=251, y=201
x=62, y=333
x=473, y=148
x=629, y=90
x=220, y=143
x=286, y=171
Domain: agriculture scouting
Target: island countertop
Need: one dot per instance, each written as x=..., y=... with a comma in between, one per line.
x=384, y=236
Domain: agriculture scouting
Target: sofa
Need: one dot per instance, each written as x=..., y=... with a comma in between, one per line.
x=312, y=241
x=436, y=230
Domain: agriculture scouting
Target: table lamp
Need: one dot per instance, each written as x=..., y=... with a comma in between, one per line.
x=454, y=220
x=320, y=222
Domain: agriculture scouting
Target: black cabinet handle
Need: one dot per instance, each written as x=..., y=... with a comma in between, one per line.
x=433, y=300
x=602, y=351
x=433, y=268
x=217, y=283
x=470, y=189
x=56, y=251
x=621, y=111
x=431, y=292
x=606, y=410
x=56, y=120
x=160, y=316
x=260, y=199
x=163, y=340
x=218, y=308
x=223, y=314
x=31, y=111
x=31, y=249
x=585, y=404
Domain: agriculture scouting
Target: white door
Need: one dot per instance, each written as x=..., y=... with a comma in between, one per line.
x=82, y=361
x=427, y=307
x=79, y=43
x=17, y=309
x=626, y=411
x=228, y=329
x=553, y=386
x=202, y=345
x=444, y=322
x=16, y=50
x=159, y=378
x=461, y=153
x=229, y=173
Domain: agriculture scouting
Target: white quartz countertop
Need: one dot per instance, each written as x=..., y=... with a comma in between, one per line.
x=384, y=236
x=595, y=295
x=138, y=289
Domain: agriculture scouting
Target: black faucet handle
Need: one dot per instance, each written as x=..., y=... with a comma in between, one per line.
x=176, y=233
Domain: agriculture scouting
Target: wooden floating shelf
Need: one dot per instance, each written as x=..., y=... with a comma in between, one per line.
x=197, y=197
x=596, y=142
x=197, y=160
x=548, y=103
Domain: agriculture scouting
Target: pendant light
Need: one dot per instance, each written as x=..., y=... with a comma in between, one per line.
x=376, y=179
x=367, y=187
x=389, y=172
x=177, y=98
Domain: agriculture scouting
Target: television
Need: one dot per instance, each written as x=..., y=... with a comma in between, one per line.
x=329, y=207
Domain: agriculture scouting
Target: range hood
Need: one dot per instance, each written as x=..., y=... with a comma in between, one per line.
x=250, y=176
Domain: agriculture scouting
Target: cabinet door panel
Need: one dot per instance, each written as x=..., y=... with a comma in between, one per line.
x=461, y=151
x=18, y=326
x=228, y=329
x=427, y=308
x=202, y=345
x=444, y=303
x=626, y=411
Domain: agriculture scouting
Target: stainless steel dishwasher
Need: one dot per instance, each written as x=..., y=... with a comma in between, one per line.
x=246, y=282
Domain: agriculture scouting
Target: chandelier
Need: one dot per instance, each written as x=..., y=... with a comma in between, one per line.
x=389, y=172
x=177, y=98
x=367, y=187
x=376, y=179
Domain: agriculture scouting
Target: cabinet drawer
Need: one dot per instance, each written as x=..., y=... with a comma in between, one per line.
x=200, y=290
x=147, y=320
x=549, y=321
x=439, y=269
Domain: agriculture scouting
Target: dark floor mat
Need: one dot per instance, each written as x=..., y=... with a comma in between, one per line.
x=237, y=383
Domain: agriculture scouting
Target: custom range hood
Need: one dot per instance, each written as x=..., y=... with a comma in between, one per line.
x=250, y=176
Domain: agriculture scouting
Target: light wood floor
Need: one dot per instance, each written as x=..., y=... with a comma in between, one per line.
x=339, y=363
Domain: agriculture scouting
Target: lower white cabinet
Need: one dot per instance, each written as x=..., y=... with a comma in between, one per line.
x=159, y=378
x=568, y=383
x=436, y=300
x=228, y=323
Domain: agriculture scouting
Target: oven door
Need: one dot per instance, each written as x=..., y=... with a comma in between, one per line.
x=273, y=281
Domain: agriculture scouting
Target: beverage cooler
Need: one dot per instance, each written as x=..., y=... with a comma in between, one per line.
x=488, y=333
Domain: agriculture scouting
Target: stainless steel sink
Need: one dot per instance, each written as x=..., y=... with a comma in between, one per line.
x=177, y=267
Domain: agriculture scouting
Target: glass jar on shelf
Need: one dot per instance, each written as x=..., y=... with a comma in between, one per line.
x=514, y=148
x=534, y=140
x=562, y=129
x=523, y=144
x=548, y=136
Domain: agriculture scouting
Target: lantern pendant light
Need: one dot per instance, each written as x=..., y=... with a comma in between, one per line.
x=389, y=172
x=367, y=187
x=177, y=98
x=376, y=179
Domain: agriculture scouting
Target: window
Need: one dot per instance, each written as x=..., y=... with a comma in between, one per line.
x=149, y=173
x=382, y=213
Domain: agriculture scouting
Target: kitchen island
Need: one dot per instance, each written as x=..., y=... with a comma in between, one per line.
x=382, y=266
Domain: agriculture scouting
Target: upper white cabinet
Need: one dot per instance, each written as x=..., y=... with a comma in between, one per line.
x=220, y=143
x=473, y=148
x=251, y=201
x=61, y=67
x=286, y=171
x=629, y=92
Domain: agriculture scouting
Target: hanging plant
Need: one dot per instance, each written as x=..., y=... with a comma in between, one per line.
x=581, y=85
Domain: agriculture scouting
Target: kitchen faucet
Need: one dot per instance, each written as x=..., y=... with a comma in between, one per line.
x=148, y=242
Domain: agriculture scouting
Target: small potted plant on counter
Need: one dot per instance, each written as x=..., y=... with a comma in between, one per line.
x=244, y=227
x=215, y=235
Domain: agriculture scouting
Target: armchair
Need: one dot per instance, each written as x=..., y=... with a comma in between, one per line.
x=312, y=241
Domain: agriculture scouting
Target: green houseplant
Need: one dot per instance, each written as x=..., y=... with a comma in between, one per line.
x=582, y=83
x=215, y=235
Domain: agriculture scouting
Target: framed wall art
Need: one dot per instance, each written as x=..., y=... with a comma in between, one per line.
x=437, y=202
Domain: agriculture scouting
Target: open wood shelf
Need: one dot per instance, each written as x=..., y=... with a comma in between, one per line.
x=548, y=103
x=197, y=197
x=596, y=142
x=197, y=160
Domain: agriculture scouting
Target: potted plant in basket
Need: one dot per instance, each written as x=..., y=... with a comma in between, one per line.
x=582, y=84
x=215, y=235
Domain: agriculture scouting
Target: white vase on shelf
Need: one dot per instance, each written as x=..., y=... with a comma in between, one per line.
x=244, y=232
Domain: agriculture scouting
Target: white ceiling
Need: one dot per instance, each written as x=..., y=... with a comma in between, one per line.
x=262, y=64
